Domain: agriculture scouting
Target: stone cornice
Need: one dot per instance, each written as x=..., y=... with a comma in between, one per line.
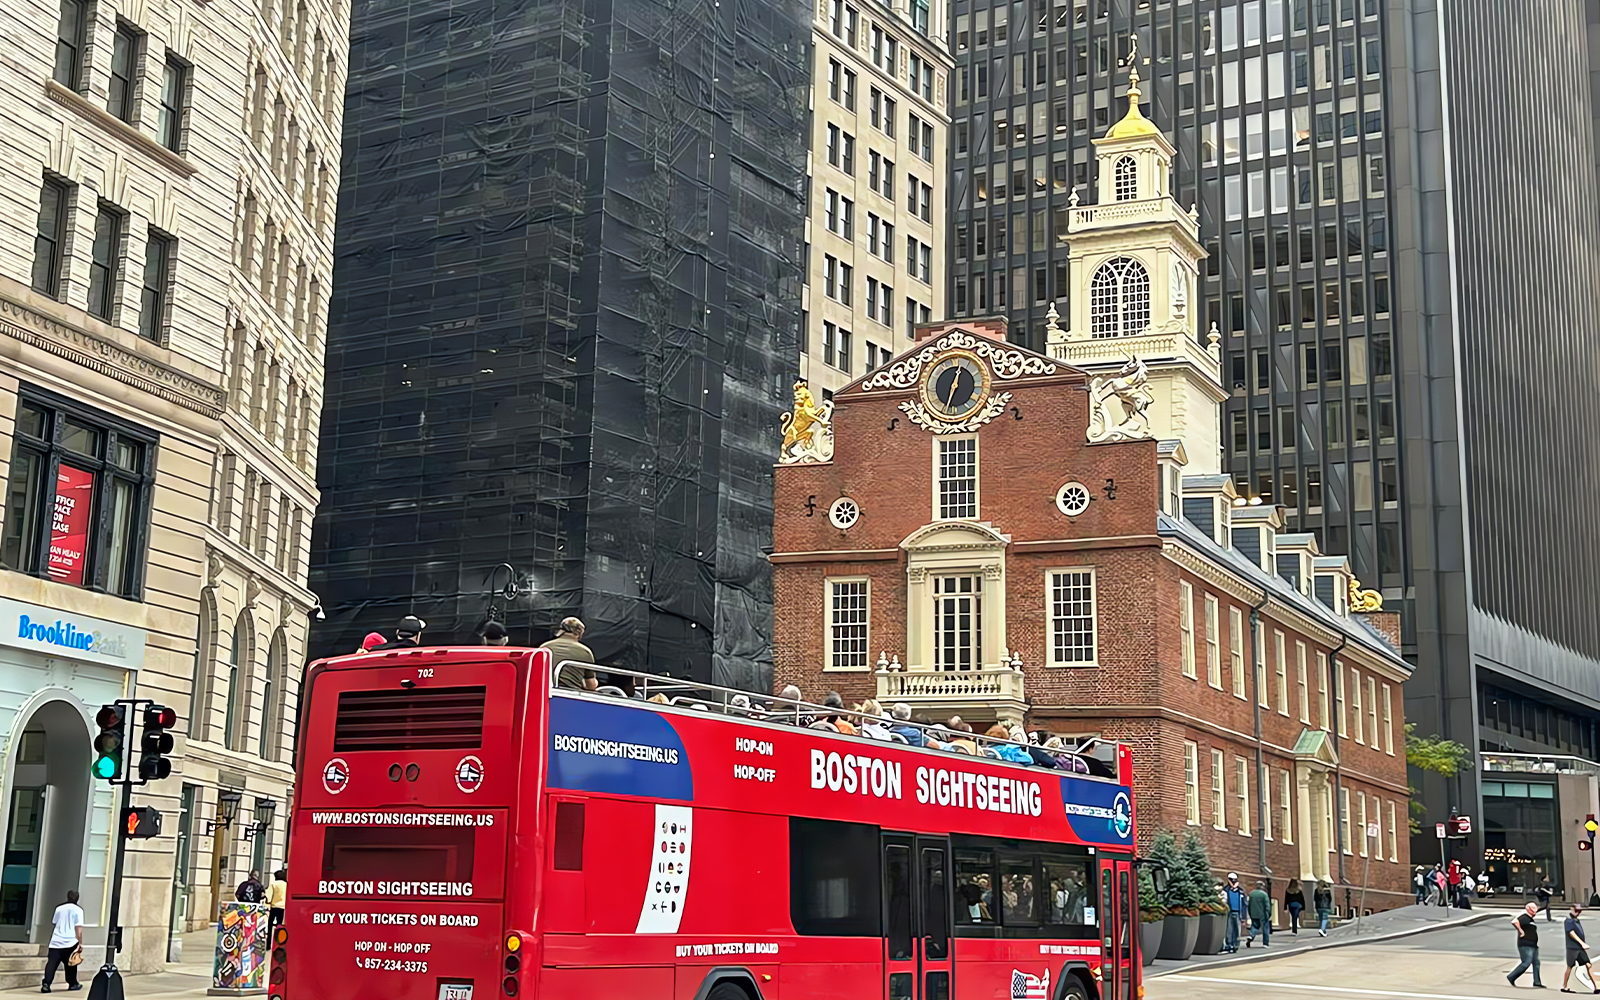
x=96, y=115
x=110, y=359
x=835, y=556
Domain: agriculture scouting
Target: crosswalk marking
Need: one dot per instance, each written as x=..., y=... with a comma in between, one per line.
x=1305, y=988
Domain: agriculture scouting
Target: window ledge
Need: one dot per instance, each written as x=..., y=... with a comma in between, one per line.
x=847, y=670
x=76, y=102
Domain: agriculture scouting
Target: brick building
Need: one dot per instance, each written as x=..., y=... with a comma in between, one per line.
x=977, y=529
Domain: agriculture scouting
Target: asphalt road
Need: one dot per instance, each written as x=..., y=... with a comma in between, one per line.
x=1463, y=963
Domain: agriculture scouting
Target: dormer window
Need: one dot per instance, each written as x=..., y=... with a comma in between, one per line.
x=1127, y=179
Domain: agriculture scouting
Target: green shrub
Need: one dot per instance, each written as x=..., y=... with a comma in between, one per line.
x=1198, y=862
x=1183, y=896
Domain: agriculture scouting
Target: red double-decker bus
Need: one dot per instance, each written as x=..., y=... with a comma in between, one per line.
x=464, y=830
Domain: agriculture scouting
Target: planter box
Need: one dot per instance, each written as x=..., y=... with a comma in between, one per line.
x=1213, y=934
x=1150, y=940
x=1177, y=937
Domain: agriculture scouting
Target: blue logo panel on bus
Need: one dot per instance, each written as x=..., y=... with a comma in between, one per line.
x=595, y=747
x=1099, y=813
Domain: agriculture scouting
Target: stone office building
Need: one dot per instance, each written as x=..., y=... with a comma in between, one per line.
x=165, y=255
x=1000, y=534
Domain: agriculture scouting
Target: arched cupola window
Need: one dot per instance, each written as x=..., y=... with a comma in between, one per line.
x=1127, y=178
x=1119, y=298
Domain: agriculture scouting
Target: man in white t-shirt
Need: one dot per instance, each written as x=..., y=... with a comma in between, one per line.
x=65, y=938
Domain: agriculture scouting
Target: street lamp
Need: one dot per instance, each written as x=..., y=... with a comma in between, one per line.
x=227, y=812
x=265, y=809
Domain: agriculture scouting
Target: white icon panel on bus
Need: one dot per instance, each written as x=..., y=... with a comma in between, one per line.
x=671, y=845
x=469, y=774
x=335, y=776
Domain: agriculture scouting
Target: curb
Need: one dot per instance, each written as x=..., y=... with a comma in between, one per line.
x=1267, y=956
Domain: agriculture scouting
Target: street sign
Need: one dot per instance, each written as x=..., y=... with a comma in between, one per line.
x=1463, y=825
x=1372, y=831
x=1438, y=830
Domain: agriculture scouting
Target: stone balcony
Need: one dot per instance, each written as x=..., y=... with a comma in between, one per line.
x=1153, y=346
x=1143, y=212
x=993, y=692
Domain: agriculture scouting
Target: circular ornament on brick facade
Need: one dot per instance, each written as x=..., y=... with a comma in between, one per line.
x=844, y=513
x=1072, y=499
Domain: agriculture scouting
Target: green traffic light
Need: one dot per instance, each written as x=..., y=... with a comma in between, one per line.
x=105, y=767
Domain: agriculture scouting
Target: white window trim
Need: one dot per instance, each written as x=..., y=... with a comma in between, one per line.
x=1344, y=819
x=1213, y=643
x=1241, y=774
x=1283, y=676
x=1258, y=663
x=1355, y=707
x=1303, y=682
x=1388, y=720
x=1372, y=711
x=1186, y=626
x=1264, y=779
x=827, y=635
x=1338, y=696
x=977, y=477
x=1364, y=837
x=1219, y=790
x=1394, y=845
x=1287, y=806
x=1323, y=717
x=1191, y=783
x=1050, y=616
x=1236, y=651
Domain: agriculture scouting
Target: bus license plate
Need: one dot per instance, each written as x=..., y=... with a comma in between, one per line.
x=455, y=991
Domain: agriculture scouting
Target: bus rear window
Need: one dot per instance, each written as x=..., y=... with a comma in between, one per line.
x=424, y=718
x=366, y=854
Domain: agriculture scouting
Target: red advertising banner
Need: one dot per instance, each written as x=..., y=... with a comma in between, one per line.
x=69, y=525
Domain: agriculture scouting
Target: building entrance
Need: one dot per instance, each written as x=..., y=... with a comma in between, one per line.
x=46, y=818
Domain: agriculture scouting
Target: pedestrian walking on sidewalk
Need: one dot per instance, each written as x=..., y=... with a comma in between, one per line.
x=1527, y=945
x=277, y=897
x=66, y=941
x=1238, y=905
x=1294, y=900
x=1260, y=908
x=1419, y=884
x=1544, y=893
x=1577, y=951
x=1322, y=898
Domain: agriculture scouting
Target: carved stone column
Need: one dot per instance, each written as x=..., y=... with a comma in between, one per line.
x=994, y=617
x=919, y=619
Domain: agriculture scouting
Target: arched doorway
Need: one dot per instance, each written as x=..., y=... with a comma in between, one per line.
x=46, y=812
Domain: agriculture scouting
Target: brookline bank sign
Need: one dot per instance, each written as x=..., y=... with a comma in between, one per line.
x=58, y=633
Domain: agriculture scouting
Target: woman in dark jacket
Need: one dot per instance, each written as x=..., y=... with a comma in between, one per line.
x=1322, y=899
x=1295, y=902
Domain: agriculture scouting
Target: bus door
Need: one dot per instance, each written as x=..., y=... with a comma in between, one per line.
x=916, y=901
x=1118, y=964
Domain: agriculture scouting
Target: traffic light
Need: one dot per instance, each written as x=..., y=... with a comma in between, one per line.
x=155, y=742
x=141, y=821
x=108, y=746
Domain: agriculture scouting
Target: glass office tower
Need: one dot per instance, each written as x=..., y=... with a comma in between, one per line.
x=1401, y=203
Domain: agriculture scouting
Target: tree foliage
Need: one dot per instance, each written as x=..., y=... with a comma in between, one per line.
x=1198, y=861
x=1182, y=897
x=1436, y=754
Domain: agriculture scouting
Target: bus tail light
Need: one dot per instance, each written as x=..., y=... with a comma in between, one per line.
x=512, y=963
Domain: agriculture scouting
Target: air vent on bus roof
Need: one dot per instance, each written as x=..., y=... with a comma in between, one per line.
x=414, y=719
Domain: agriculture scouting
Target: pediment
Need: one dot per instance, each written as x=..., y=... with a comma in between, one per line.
x=955, y=536
x=1315, y=746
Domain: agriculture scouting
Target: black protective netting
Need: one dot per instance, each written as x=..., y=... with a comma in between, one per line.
x=564, y=319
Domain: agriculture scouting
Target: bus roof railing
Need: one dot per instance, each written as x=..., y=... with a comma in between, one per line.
x=659, y=689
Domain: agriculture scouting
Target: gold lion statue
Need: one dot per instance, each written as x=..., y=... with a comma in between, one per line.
x=1364, y=600
x=806, y=433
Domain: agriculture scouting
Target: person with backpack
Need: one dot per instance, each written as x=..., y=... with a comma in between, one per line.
x=1260, y=908
x=1238, y=902
x=1322, y=899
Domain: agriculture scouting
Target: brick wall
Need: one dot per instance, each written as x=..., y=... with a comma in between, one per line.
x=1136, y=691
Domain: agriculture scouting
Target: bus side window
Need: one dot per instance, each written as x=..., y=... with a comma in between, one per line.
x=569, y=837
x=975, y=903
x=1066, y=890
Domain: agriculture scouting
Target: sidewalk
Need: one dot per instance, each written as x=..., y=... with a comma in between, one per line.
x=183, y=980
x=1401, y=922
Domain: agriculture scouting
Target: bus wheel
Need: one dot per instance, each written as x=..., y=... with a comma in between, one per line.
x=1072, y=988
x=727, y=990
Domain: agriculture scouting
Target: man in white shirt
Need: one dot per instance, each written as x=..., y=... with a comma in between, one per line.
x=65, y=938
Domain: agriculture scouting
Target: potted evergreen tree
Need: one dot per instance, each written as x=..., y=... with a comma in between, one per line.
x=1182, y=901
x=1151, y=917
x=1213, y=931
